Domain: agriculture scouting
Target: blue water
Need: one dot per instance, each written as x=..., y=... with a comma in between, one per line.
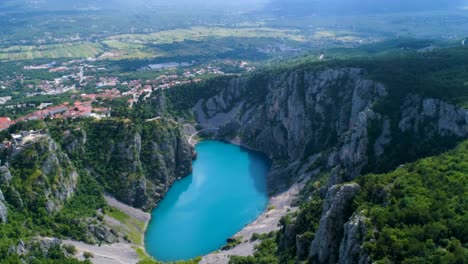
x=225, y=192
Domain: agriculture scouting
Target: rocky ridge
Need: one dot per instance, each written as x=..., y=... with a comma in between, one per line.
x=336, y=210
x=45, y=169
x=330, y=120
x=137, y=166
x=54, y=178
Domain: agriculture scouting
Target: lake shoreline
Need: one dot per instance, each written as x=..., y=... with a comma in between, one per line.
x=234, y=141
x=247, y=182
x=278, y=205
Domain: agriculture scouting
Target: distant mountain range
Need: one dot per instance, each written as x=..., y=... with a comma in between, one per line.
x=67, y=5
x=303, y=7
x=55, y=5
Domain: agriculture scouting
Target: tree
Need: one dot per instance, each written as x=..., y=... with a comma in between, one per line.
x=87, y=255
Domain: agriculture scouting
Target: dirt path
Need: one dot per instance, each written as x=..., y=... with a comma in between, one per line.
x=193, y=143
x=119, y=253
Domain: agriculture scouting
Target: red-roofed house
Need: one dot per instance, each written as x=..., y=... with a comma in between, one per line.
x=5, y=123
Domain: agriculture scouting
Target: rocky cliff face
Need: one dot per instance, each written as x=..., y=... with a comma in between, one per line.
x=3, y=208
x=43, y=175
x=57, y=175
x=351, y=245
x=136, y=165
x=296, y=114
x=433, y=117
x=352, y=123
x=5, y=178
x=302, y=112
x=336, y=211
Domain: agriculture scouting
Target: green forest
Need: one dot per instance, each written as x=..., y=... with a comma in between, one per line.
x=416, y=214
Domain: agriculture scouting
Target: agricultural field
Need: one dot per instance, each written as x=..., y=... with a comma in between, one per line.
x=194, y=41
x=130, y=53
x=204, y=41
x=191, y=43
x=53, y=51
x=201, y=33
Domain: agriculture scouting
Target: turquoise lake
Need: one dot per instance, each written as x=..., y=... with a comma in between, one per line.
x=226, y=191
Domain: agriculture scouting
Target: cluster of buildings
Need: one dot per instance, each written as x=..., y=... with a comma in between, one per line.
x=66, y=110
x=74, y=78
x=244, y=65
x=168, y=81
x=103, y=95
x=20, y=140
x=48, y=37
x=203, y=71
x=11, y=81
x=137, y=88
x=52, y=88
x=5, y=99
x=67, y=82
x=107, y=82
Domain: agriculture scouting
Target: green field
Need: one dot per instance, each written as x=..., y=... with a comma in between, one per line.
x=182, y=42
x=194, y=41
x=54, y=51
x=141, y=46
x=201, y=33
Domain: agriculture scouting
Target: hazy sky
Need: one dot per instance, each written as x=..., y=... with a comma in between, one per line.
x=278, y=6
x=317, y=5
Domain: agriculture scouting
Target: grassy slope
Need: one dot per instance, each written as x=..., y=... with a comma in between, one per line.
x=131, y=227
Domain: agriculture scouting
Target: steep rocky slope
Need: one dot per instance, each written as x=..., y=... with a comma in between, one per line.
x=54, y=175
x=135, y=163
x=38, y=175
x=337, y=204
x=333, y=113
x=331, y=124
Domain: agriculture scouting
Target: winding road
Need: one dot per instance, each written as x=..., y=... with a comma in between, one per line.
x=190, y=139
x=203, y=130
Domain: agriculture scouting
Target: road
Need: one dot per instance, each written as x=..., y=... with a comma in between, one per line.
x=198, y=132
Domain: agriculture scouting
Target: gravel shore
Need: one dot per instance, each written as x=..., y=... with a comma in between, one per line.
x=118, y=253
x=279, y=206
